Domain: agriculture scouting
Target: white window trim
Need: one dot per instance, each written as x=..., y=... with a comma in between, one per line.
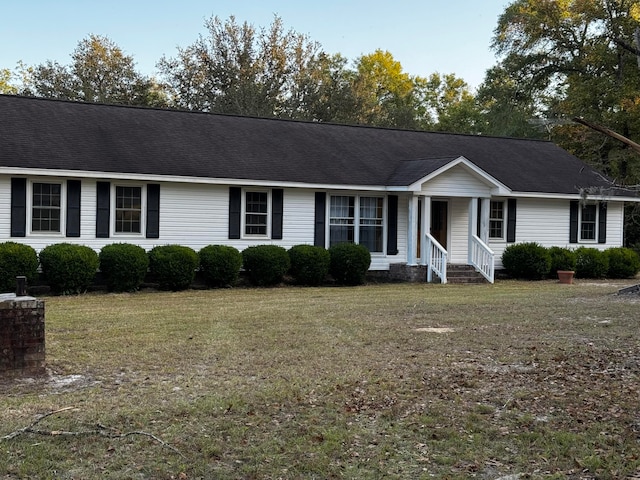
x=243, y=214
x=63, y=208
x=143, y=211
x=356, y=219
x=596, y=227
x=504, y=221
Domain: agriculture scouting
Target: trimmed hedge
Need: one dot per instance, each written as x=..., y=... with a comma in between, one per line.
x=265, y=265
x=16, y=259
x=349, y=263
x=123, y=266
x=529, y=261
x=220, y=265
x=69, y=268
x=309, y=264
x=591, y=263
x=561, y=259
x=623, y=263
x=173, y=266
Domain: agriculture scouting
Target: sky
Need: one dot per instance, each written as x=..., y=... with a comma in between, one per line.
x=425, y=36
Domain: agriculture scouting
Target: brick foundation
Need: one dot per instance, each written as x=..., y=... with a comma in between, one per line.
x=22, y=335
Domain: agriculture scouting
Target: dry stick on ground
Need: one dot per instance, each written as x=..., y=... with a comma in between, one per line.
x=103, y=432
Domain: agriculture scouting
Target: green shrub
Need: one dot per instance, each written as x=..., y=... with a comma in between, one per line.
x=309, y=264
x=562, y=259
x=265, y=264
x=220, y=265
x=173, y=266
x=591, y=263
x=16, y=259
x=123, y=266
x=68, y=268
x=623, y=263
x=349, y=263
x=529, y=261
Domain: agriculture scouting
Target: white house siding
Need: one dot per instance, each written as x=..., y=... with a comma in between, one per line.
x=5, y=208
x=546, y=221
x=456, y=182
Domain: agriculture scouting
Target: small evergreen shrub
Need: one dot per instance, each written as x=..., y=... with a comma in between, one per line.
x=528, y=261
x=16, y=259
x=309, y=264
x=123, y=266
x=265, y=265
x=591, y=263
x=220, y=265
x=623, y=263
x=173, y=266
x=68, y=268
x=349, y=263
x=561, y=259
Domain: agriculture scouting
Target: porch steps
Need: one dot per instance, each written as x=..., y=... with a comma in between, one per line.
x=463, y=274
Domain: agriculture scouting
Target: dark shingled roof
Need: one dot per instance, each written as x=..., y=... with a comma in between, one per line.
x=50, y=134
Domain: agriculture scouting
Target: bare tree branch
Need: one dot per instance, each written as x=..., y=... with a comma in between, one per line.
x=599, y=128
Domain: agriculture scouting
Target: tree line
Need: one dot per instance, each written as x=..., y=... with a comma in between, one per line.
x=556, y=60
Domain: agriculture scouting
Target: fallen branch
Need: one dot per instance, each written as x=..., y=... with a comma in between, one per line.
x=102, y=431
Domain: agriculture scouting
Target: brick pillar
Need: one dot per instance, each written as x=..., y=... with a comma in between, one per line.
x=22, y=342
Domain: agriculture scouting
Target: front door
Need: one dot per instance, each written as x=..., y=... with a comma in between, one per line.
x=439, y=215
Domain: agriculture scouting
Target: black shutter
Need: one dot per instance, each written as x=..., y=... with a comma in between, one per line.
x=319, y=226
x=392, y=225
x=153, y=210
x=277, y=195
x=602, y=223
x=103, y=209
x=235, y=211
x=18, y=207
x=574, y=206
x=73, y=207
x=511, y=220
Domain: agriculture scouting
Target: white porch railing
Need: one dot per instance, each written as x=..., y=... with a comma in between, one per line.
x=482, y=258
x=436, y=260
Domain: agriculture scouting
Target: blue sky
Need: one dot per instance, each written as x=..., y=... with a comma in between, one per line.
x=426, y=36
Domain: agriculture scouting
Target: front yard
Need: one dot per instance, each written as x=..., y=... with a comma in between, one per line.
x=393, y=381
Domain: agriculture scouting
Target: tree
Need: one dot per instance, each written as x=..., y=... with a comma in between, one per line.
x=237, y=69
x=5, y=82
x=99, y=72
x=567, y=55
x=450, y=101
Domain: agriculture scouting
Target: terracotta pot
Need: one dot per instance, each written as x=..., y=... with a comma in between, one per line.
x=565, y=276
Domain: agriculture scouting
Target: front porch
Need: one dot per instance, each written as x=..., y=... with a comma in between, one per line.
x=455, y=244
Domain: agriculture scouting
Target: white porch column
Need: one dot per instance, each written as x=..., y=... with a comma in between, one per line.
x=412, y=231
x=473, y=227
x=426, y=226
x=484, y=220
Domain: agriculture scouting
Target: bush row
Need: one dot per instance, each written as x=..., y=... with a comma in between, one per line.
x=71, y=269
x=531, y=261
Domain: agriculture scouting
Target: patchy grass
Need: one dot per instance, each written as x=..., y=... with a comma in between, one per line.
x=394, y=381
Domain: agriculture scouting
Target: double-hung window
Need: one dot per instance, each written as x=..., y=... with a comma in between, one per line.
x=363, y=225
x=496, y=220
x=588, y=222
x=128, y=210
x=46, y=201
x=256, y=213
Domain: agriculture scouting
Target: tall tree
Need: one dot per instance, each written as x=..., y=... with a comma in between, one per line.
x=238, y=69
x=452, y=104
x=568, y=55
x=99, y=72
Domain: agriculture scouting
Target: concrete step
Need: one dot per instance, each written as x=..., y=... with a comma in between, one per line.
x=464, y=274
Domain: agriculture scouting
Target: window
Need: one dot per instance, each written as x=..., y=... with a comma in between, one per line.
x=588, y=222
x=45, y=207
x=341, y=220
x=256, y=216
x=128, y=209
x=371, y=228
x=496, y=220
x=368, y=217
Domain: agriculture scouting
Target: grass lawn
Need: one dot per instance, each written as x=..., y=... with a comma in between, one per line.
x=394, y=381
